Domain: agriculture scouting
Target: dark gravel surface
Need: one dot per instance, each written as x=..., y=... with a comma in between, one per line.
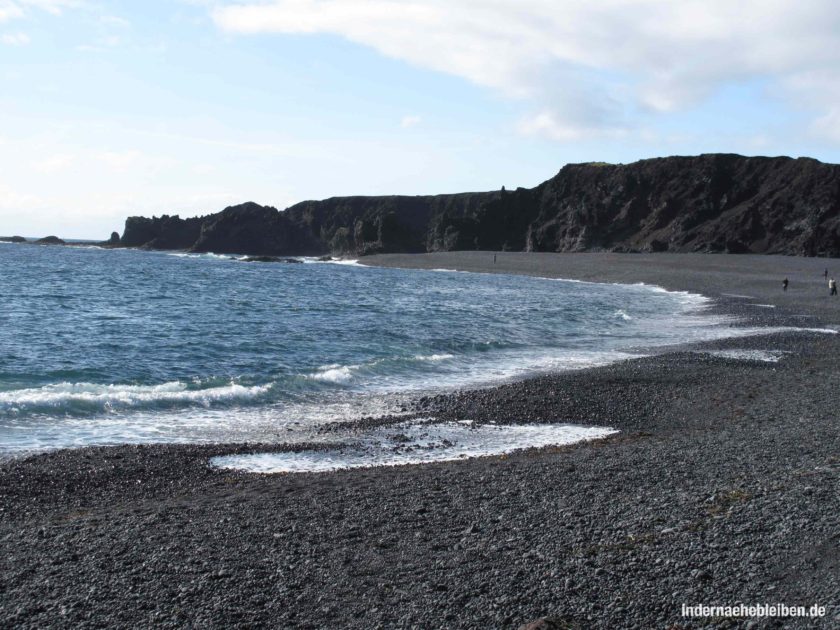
x=722, y=488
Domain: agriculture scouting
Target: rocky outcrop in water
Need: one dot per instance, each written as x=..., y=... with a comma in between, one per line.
x=50, y=240
x=707, y=203
x=161, y=232
x=12, y=239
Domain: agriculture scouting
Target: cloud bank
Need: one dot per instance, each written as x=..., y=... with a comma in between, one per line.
x=588, y=68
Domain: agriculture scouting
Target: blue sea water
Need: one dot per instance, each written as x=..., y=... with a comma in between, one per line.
x=120, y=346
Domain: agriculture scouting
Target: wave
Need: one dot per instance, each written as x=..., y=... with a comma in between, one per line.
x=108, y=397
x=433, y=357
x=348, y=262
x=622, y=315
x=207, y=255
x=340, y=374
x=334, y=373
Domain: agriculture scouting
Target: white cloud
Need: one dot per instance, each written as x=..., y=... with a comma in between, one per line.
x=548, y=124
x=410, y=121
x=113, y=20
x=133, y=161
x=614, y=57
x=203, y=169
x=53, y=164
x=15, y=39
x=13, y=200
x=9, y=11
x=827, y=126
x=55, y=7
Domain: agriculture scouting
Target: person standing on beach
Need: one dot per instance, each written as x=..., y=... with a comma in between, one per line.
x=784, y=284
x=494, y=259
x=825, y=274
x=832, y=287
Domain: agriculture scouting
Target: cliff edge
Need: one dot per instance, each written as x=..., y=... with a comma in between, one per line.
x=707, y=203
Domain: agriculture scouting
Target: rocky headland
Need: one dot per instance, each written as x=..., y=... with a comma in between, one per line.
x=707, y=203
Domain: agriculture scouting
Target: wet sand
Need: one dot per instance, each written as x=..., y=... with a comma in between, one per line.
x=721, y=488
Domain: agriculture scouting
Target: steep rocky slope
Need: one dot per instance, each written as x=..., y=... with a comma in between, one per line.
x=707, y=203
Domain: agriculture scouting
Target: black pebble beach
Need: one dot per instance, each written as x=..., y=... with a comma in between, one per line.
x=722, y=487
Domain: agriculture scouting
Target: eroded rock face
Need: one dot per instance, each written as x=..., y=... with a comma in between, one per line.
x=707, y=203
x=257, y=230
x=717, y=203
x=166, y=232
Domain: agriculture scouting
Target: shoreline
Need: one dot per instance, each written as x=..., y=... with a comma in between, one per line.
x=721, y=488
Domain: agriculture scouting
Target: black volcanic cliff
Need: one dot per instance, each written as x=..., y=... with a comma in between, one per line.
x=708, y=203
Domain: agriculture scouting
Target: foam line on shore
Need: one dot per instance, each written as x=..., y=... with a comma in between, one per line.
x=413, y=443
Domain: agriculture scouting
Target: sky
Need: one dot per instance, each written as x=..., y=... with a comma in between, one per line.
x=117, y=108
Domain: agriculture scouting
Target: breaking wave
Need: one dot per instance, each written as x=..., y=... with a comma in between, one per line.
x=69, y=397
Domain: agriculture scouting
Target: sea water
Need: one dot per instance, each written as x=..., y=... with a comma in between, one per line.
x=102, y=347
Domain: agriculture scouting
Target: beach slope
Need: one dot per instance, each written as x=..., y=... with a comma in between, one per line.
x=721, y=488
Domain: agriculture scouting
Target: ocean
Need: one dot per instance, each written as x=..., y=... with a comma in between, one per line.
x=103, y=347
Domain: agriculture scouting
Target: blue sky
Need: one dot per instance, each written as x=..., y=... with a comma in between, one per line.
x=109, y=109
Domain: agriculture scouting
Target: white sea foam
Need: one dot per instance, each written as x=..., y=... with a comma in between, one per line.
x=348, y=262
x=506, y=366
x=205, y=255
x=292, y=422
x=334, y=373
x=782, y=329
x=61, y=394
x=764, y=305
x=621, y=314
x=766, y=356
x=433, y=357
x=413, y=443
x=337, y=373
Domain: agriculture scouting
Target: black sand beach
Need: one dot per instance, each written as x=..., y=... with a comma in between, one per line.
x=722, y=488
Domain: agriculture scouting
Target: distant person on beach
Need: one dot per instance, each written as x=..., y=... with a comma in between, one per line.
x=494, y=259
x=784, y=284
x=832, y=287
x=825, y=274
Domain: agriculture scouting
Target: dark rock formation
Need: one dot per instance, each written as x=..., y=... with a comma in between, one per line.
x=259, y=230
x=112, y=242
x=50, y=240
x=717, y=203
x=12, y=239
x=708, y=203
x=161, y=232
